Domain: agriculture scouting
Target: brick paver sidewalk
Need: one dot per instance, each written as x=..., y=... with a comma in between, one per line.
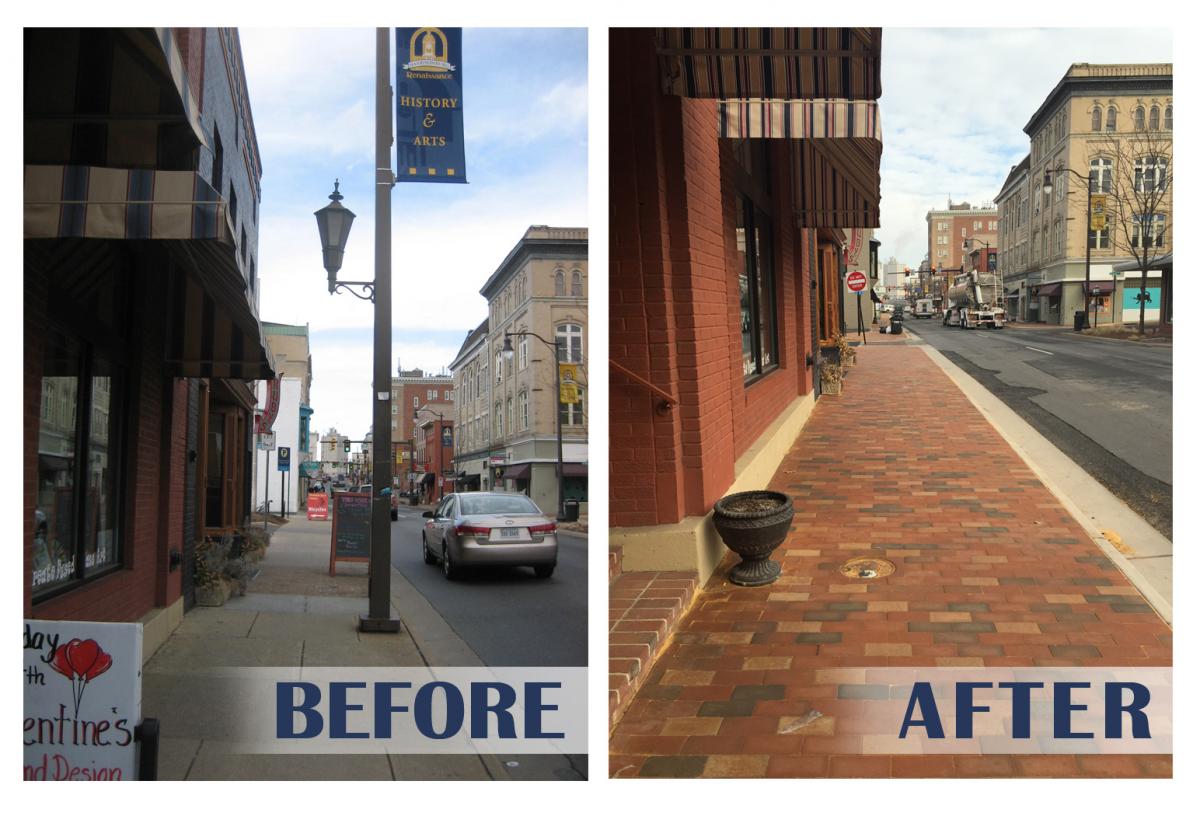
x=990, y=571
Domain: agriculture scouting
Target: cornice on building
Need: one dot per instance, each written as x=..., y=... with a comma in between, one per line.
x=1085, y=79
x=551, y=243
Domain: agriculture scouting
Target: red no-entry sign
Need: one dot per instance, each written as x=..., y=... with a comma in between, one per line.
x=856, y=282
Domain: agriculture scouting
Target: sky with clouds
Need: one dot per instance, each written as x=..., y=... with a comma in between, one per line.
x=525, y=108
x=954, y=103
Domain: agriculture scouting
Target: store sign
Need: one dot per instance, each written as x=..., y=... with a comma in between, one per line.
x=266, y=442
x=271, y=409
x=429, y=106
x=83, y=699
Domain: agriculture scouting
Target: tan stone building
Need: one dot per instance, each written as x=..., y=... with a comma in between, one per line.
x=1093, y=114
x=506, y=409
x=1013, y=260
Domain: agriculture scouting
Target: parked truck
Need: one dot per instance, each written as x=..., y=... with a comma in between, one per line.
x=974, y=301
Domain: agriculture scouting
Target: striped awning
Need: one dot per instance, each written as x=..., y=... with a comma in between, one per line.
x=799, y=119
x=770, y=63
x=208, y=338
x=214, y=329
x=837, y=146
x=70, y=201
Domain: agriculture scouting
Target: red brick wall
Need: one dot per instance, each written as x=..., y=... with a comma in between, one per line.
x=128, y=593
x=674, y=312
x=190, y=42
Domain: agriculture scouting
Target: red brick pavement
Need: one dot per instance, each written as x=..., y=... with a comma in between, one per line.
x=990, y=571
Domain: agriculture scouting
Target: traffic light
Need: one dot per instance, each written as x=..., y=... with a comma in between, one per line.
x=347, y=447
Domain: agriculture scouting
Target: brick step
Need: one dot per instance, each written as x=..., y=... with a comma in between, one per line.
x=614, y=562
x=644, y=610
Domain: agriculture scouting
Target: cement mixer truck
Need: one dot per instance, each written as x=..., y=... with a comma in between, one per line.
x=974, y=301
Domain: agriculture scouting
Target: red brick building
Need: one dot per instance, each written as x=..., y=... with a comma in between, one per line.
x=415, y=390
x=730, y=190
x=140, y=317
x=435, y=455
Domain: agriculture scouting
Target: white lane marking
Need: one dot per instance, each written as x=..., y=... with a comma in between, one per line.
x=1040, y=351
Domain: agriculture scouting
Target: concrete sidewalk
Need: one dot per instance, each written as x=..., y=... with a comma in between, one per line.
x=293, y=614
x=990, y=570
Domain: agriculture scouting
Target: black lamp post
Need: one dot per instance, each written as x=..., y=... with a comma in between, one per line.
x=508, y=355
x=441, y=466
x=1047, y=188
x=333, y=223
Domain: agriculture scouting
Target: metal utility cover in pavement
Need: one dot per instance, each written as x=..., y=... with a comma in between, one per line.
x=867, y=568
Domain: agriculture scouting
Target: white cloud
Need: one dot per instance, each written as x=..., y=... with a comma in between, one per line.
x=954, y=105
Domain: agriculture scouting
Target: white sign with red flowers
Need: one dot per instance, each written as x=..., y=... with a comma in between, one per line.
x=83, y=699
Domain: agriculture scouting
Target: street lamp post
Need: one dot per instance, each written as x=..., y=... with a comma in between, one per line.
x=440, y=464
x=508, y=355
x=1047, y=188
x=333, y=223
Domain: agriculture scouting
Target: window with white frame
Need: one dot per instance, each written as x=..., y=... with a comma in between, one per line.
x=416, y=402
x=1168, y=112
x=1139, y=118
x=499, y=366
x=1149, y=174
x=1110, y=119
x=1060, y=185
x=1154, y=118
x=523, y=409
x=560, y=286
x=508, y=404
x=523, y=353
x=1098, y=238
x=964, y=232
x=1148, y=230
x=570, y=343
x=576, y=284
x=499, y=420
x=1100, y=174
x=1096, y=119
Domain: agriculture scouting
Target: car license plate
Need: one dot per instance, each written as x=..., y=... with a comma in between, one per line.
x=510, y=532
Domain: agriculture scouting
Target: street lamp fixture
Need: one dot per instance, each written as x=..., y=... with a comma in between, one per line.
x=333, y=223
x=556, y=345
x=1047, y=188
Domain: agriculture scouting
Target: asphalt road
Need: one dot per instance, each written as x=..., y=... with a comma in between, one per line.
x=508, y=616
x=1105, y=403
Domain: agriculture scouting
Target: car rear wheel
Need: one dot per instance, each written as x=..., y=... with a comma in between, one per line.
x=543, y=570
x=425, y=553
x=448, y=569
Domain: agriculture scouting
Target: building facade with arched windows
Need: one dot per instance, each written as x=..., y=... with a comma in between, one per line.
x=506, y=408
x=1092, y=117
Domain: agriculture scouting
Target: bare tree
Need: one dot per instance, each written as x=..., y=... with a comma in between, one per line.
x=1133, y=177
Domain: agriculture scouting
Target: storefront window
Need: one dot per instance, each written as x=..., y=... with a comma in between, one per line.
x=75, y=530
x=756, y=287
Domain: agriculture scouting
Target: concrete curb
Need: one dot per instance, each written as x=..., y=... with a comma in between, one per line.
x=1088, y=502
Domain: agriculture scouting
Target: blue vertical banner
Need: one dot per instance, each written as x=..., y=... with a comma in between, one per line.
x=429, y=119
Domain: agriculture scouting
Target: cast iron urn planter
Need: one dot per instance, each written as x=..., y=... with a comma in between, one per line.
x=753, y=524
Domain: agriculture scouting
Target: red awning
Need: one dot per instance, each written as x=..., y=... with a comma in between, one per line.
x=1048, y=289
x=1105, y=287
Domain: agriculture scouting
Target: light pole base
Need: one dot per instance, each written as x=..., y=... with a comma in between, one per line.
x=368, y=624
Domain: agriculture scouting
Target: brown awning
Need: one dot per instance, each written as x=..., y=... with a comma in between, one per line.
x=574, y=469
x=1104, y=286
x=1048, y=289
x=770, y=63
x=520, y=471
x=214, y=328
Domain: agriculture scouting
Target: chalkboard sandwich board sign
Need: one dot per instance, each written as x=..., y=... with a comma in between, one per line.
x=351, y=536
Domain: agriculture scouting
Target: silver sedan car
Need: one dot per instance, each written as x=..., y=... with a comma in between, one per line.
x=489, y=529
